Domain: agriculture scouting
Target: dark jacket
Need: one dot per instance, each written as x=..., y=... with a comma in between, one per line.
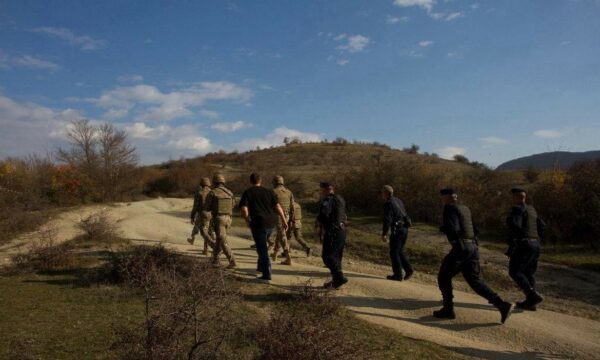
x=394, y=212
x=332, y=212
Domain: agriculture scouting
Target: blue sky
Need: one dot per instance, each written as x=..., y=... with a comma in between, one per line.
x=492, y=80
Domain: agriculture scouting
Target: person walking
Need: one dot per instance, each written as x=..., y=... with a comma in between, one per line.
x=201, y=218
x=525, y=227
x=219, y=202
x=332, y=224
x=261, y=210
x=462, y=258
x=396, y=221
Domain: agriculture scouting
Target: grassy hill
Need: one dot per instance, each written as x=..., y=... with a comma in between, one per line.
x=304, y=165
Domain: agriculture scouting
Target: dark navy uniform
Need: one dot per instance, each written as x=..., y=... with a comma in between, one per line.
x=332, y=218
x=396, y=220
x=464, y=256
x=524, y=228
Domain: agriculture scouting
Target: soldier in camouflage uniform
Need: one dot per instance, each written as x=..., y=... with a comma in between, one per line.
x=286, y=200
x=201, y=218
x=295, y=228
x=220, y=203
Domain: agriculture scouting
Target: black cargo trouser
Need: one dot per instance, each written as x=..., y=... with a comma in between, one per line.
x=397, y=256
x=465, y=261
x=523, y=264
x=334, y=241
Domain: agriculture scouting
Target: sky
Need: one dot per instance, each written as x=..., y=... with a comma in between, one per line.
x=491, y=80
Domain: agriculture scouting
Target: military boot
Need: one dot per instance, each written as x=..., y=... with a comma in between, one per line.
x=232, y=264
x=274, y=256
x=308, y=252
x=205, y=251
x=504, y=308
x=191, y=240
x=288, y=259
x=446, y=312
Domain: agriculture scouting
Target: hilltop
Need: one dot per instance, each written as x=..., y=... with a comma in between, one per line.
x=305, y=164
x=549, y=160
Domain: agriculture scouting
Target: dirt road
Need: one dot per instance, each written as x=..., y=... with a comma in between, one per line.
x=405, y=307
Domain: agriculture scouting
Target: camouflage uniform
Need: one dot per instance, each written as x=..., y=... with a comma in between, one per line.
x=295, y=228
x=220, y=203
x=201, y=217
x=286, y=200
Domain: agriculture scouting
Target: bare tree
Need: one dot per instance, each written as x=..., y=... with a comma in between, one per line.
x=118, y=159
x=102, y=156
x=82, y=153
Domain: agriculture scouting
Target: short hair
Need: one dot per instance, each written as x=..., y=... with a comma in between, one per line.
x=448, y=191
x=325, y=185
x=388, y=189
x=255, y=178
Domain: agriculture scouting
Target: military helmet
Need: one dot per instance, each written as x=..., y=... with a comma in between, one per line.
x=278, y=180
x=205, y=181
x=218, y=179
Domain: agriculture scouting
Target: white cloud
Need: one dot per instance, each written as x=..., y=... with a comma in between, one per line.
x=547, y=134
x=355, y=44
x=449, y=152
x=493, y=140
x=275, y=138
x=425, y=4
x=340, y=37
x=454, y=15
x=209, y=114
x=26, y=61
x=140, y=130
x=396, y=19
x=230, y=126
x=84, y=42
x=130, y=78
x=425, y=43
x=447, y=16
x=28, y=127
x=428, y=5
x=454, y=55
x=163, y=142
x=342, y=62
x=153, y=105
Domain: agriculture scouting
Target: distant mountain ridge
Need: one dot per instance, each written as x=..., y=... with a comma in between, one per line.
x=547, y=160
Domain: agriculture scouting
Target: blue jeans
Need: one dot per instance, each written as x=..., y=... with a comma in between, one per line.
x=260, y=237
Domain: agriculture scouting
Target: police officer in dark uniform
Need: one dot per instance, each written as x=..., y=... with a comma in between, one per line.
x=525, y=227
x=463, y=258
x=332, y=226
x=397, y=222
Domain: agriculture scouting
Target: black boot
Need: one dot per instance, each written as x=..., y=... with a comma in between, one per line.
x=394, y=277
x=504, y=308
x=446, y=312
x=525, y=305
x=533, y=298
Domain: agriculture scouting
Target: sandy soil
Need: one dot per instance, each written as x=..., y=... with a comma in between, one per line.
x=405, y=307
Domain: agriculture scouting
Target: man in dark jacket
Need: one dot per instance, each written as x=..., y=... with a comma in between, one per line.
x=332, y=224
x=397, y=222
x=525, y=227
x=463, y=257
